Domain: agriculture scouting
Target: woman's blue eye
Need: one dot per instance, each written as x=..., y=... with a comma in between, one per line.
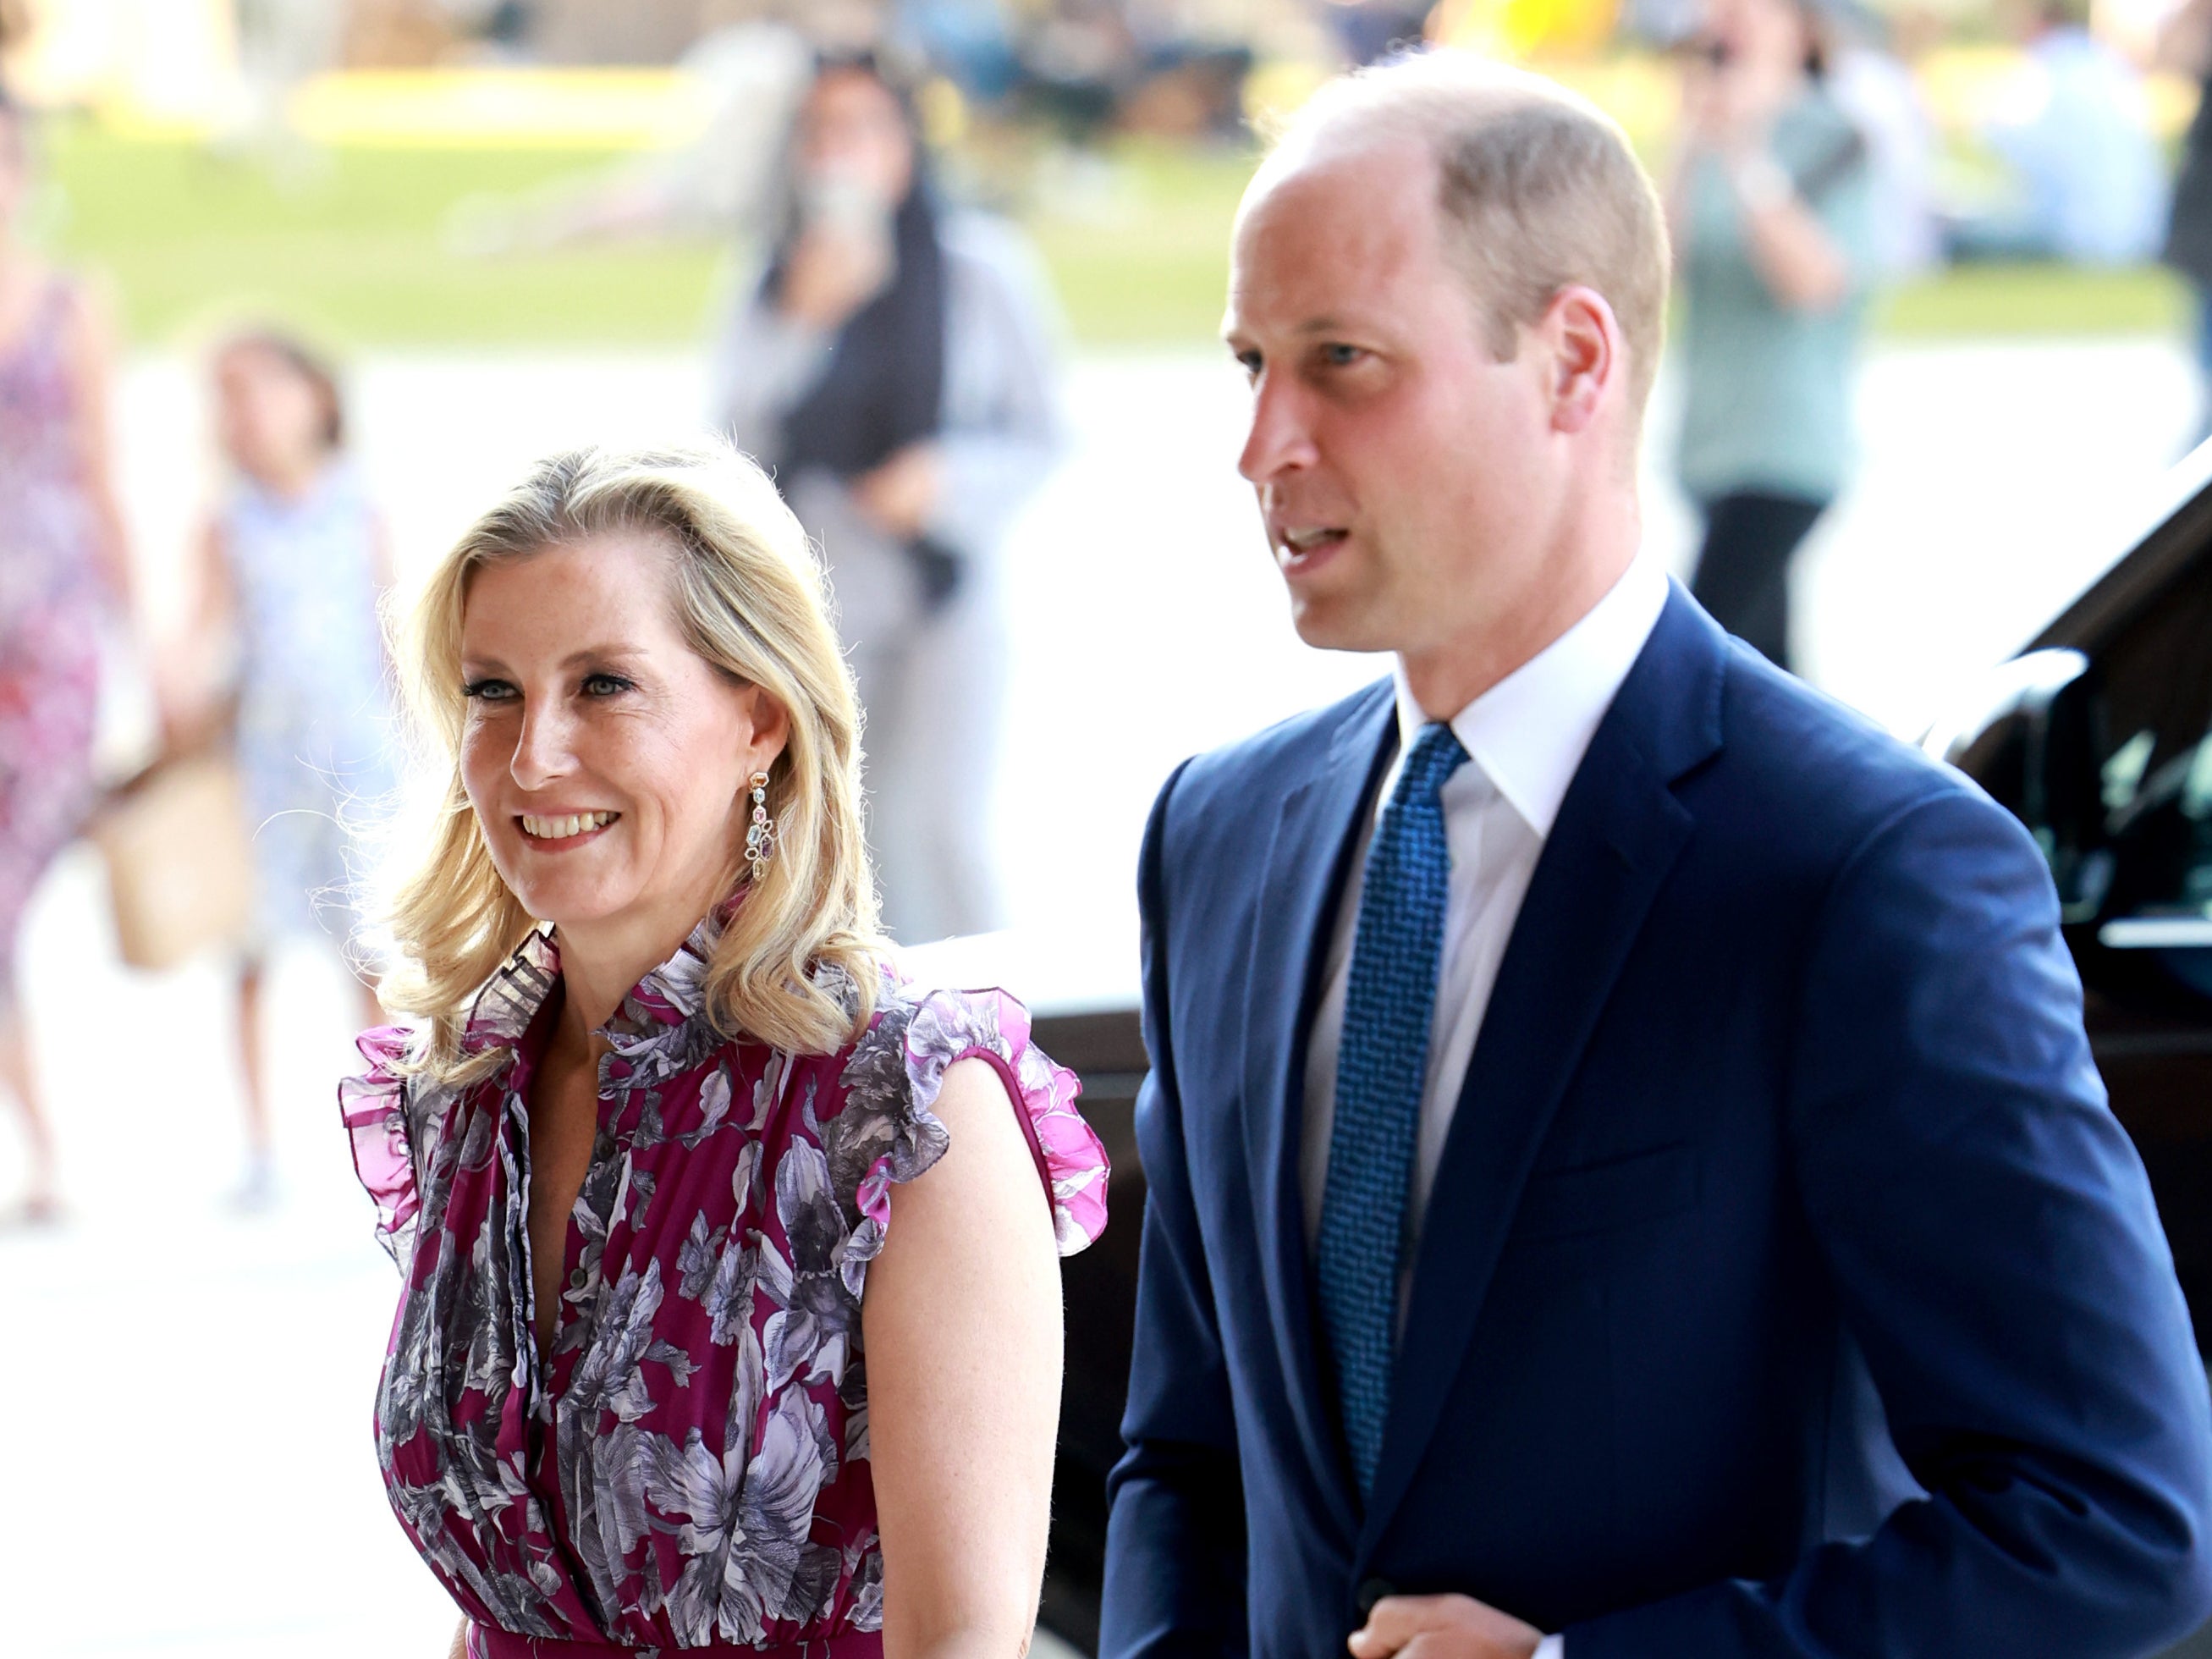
x=487, y=691
x=604, y=685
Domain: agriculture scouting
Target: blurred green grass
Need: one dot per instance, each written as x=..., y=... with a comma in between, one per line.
x=352, y=243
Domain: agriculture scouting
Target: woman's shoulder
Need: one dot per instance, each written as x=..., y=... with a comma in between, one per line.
x=885, y=1130
x=394, y=1112
x=372, y=1106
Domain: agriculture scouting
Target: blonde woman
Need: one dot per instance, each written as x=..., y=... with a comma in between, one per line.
x=669, y=1151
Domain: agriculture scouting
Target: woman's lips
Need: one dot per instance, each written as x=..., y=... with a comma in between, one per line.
x=555, y=832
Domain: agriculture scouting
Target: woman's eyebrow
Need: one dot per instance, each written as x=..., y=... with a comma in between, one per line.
x=592, y=654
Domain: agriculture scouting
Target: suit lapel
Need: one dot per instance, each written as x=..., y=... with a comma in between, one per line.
x=1617, y=833
x=1308, y=861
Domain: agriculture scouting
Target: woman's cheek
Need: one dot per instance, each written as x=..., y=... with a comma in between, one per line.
x=480, y=763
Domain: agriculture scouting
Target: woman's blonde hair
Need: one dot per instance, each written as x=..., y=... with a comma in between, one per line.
x=749, y=595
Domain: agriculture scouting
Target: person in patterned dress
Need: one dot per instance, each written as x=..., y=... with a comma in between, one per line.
x=64, y=563
x=730, y=1320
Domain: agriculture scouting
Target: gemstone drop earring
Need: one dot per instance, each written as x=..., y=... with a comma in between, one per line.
x=760, y=833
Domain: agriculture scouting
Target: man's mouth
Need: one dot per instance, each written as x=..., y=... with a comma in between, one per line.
x=568, y=826
x=1299, y=546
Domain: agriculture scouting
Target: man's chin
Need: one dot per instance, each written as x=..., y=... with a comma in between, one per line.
x=1332, y=624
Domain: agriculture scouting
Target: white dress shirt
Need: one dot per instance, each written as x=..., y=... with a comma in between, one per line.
x=1525, y=738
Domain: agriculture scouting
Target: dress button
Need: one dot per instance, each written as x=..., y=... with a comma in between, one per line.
x=1373, y=1590
x=578, y=1279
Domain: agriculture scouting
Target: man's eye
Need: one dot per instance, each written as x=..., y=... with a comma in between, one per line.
x=489, y=691
x=1338, y=355
x=1250, y=362
x=605, y=685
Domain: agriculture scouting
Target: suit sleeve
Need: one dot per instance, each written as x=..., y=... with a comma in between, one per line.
x=1175, y=1543
x=1992, y=1240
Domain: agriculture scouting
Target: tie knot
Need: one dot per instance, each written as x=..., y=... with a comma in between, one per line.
x=1435, y=755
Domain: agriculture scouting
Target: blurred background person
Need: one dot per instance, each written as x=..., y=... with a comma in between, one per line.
x=893, y=367
x=281, y=43
x=972, y=41
x=1868, y=73
x=291, y=568
x=1773, y=224
x=1370, y=30
x=2085, y=181
x=2184, y=46
x=65, y=568
x=750, y=76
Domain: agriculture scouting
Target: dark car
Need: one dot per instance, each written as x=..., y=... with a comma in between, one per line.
x=2096, y=736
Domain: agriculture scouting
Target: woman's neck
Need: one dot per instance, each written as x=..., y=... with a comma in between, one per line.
x=601, y=963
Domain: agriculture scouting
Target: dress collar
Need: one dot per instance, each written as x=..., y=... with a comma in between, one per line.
x=671, y=995
x=1529, y=732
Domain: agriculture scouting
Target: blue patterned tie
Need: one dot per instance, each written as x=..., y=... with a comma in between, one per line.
x=1381, y=1063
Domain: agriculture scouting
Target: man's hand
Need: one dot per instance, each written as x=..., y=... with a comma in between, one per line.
x=1441, y=1627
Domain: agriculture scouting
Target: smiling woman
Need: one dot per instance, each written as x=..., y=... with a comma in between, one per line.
x=640, y=1167
x=627, y=609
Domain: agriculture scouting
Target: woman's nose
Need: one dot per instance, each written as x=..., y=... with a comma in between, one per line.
x=543, y=749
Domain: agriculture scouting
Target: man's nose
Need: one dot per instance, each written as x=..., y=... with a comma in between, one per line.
x=1282, y=436
x=543, y=749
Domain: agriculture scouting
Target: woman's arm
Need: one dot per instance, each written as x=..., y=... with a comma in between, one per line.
x=962, y=1322
x=765, y=365
x=1800, y=263
x=1003, y=429
x=1726, y=115
x=91, y=358
x=186, y=671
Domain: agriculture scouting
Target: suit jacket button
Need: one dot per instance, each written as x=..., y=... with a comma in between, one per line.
x=1373, y=1590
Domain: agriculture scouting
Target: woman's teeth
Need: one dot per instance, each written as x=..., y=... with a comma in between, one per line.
x=561, y=829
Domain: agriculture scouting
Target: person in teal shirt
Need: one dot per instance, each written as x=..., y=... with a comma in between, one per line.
x=1771, y=212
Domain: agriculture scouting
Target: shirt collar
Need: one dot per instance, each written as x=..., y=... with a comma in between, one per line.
x=1528, y=731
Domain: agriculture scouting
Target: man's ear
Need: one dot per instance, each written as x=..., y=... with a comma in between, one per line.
x=1587, y=355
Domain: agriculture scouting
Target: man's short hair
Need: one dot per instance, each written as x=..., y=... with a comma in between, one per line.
x=1538, y=188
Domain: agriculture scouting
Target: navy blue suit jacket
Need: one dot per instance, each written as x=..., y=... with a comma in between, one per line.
x=1788, y=1288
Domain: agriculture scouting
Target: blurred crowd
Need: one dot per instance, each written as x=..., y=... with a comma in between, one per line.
x=892, y=352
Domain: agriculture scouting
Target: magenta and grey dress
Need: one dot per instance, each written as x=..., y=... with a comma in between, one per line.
x=52, y=602
x=688, y=1472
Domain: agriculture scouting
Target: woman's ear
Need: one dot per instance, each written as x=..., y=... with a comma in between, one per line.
x=768, y=728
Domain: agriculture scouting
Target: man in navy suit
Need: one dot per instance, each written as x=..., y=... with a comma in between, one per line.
x=1628, y=1176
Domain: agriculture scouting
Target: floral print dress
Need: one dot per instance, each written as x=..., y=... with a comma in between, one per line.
x=52, y=603
x=689, y=1470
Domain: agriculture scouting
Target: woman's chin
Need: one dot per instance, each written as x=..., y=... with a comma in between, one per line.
x=573, y=907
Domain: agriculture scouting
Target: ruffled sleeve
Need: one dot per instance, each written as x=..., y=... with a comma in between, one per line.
x=373, y=1107
x=888, y=1132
